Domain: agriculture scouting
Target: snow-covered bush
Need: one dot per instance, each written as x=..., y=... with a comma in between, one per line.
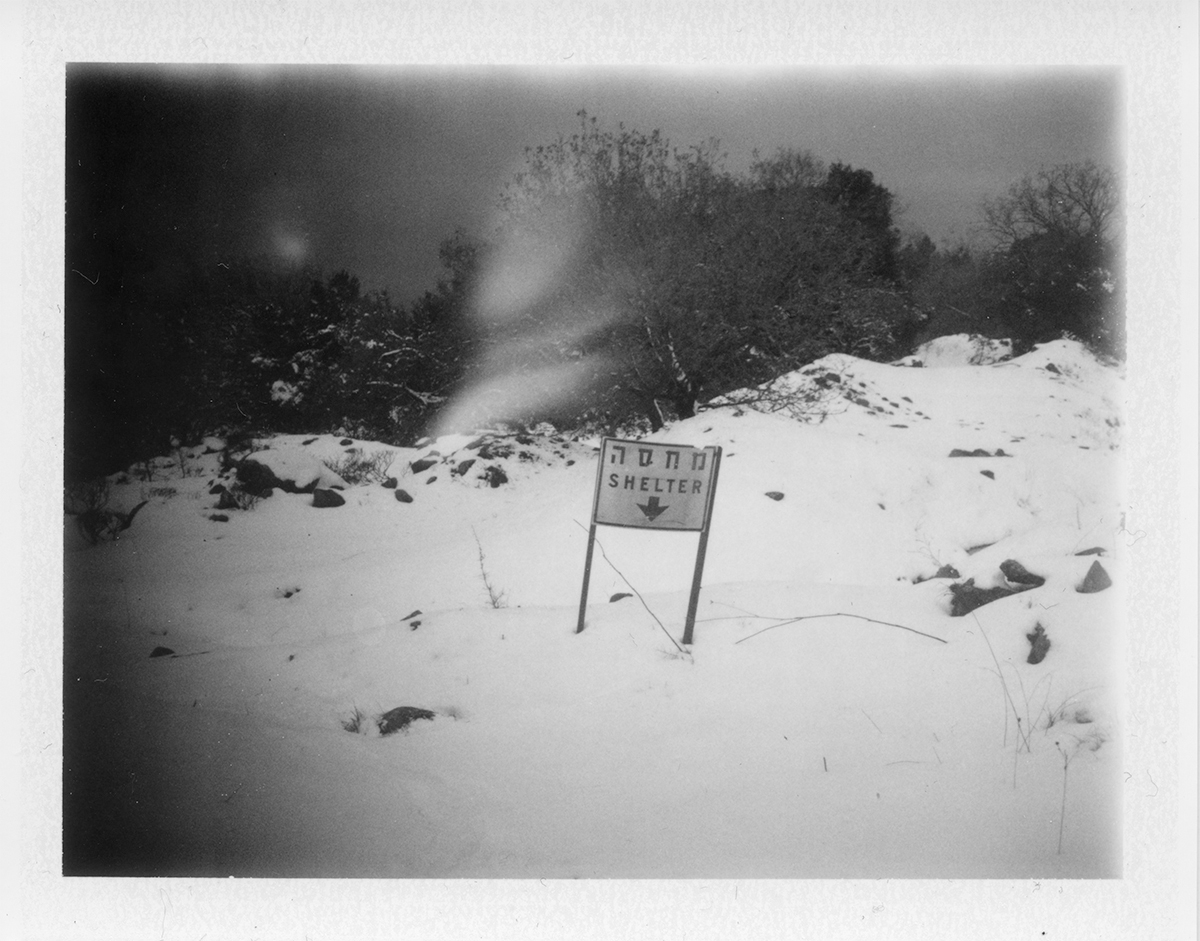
x=960, y=349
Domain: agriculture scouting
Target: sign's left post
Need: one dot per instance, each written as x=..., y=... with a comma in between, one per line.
x=587, y=562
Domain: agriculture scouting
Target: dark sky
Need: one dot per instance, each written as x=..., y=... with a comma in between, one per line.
x=367, y=169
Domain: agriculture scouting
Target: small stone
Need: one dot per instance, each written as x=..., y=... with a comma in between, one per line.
x=1096, y=580
x=422, y=465
x=946, y=571
x=1039, y=645
x=404, y=496
x=1017, y=574
x=327, y=498
x=774, y=495
x=399, y=718
x=966, y=596
x=162, y=652
x=391, y=483
x=619, y=595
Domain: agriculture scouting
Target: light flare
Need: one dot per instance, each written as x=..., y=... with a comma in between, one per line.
x=289, y=246
x=518, y=393
x=532, y=261
x=538, y=299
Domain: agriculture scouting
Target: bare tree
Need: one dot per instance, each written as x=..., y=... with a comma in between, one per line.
x=1070, y=199
x=1056, y=266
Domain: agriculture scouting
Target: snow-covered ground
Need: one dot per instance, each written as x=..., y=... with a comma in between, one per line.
x=830, y=719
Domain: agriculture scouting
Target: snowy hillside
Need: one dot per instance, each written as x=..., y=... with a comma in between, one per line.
x=229, y=668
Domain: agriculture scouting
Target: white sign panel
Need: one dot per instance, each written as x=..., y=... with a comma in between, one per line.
x=649, y=485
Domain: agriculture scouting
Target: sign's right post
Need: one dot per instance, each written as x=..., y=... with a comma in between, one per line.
x=701, y=550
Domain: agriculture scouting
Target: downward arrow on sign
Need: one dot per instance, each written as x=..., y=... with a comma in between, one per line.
x=652, y=509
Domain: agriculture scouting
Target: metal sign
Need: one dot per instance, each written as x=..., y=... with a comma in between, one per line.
x=650, y=485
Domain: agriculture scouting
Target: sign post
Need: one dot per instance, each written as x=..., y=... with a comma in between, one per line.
x=651, y=485
x=701, y=551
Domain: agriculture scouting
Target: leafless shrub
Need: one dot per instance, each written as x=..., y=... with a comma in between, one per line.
x=810, y=400
x=357, y=467
x=495, y=596
x=355, y=722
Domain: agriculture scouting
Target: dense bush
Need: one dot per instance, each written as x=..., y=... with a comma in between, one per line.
x=262, y=349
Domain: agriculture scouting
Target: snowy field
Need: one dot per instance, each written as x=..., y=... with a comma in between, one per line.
x=226, y=669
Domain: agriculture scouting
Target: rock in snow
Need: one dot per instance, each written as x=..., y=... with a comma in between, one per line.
x=1096, y=580
x=401, y=717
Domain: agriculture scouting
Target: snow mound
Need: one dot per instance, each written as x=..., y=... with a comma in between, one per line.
x=960, y=349
x=1070, y=361
x=832, y=385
